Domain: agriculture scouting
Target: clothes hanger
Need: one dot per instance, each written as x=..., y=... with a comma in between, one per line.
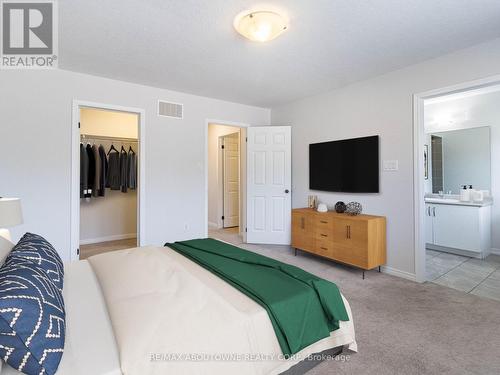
x=131, y=150
x=112, y=148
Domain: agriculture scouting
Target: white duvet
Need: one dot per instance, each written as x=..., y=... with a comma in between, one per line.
x=171, y=316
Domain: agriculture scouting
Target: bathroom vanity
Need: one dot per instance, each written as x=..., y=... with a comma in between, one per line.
x=458, y=227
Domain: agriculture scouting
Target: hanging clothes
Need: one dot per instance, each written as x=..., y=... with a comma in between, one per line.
x=103, y=170
x=113, y=176
x=91, y=173
x=123, y=170
x=132, y=169
x=97, y=175
x=84, y=171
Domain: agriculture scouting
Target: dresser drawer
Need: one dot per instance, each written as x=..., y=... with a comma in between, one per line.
x=323, y=222
x=323, y=234
x=323, y=247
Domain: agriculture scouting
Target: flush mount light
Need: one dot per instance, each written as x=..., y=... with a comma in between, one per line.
x=260, y=26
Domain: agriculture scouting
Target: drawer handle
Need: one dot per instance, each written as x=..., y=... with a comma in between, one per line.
x=323, y=235
x=323, y=222
x=323, y=248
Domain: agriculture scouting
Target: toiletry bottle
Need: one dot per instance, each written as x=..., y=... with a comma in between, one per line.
x=472, y=193
x=464, y=194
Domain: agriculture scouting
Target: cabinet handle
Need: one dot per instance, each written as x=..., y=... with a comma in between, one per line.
x=302, y=222
x=323, y=222
x=323, y=248
x=323, y=235
x=347, y=231
x=434, y=211
x=429, y=211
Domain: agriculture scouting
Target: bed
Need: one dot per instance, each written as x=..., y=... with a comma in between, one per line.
x=150, y=310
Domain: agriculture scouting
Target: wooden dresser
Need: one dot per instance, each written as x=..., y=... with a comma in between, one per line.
x=355, y=240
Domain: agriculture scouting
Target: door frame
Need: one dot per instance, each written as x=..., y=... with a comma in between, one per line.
x=221, y=177
x=418, y=161
x=235, y=124
x=75, y=171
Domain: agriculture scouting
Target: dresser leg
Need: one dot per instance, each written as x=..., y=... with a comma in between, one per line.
x=378, y=268
x=363, y=274
x=295, y=251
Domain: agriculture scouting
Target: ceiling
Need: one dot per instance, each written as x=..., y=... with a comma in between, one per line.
x=190, y=45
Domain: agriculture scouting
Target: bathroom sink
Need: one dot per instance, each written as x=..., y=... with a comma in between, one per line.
x=442, y=200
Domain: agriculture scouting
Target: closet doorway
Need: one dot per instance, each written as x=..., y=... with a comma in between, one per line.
x=107, y=167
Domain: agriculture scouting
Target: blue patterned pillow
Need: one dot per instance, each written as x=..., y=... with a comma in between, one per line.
x=38, y=250
x=32, y=318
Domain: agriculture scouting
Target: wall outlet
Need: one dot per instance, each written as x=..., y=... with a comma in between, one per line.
x=391, y=165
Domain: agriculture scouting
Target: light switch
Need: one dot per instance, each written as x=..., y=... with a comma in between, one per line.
x=391, y=165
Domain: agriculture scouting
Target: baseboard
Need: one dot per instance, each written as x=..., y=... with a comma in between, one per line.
x=116, y=237
x=213, y=225
x=495, y=251
x=395, y=272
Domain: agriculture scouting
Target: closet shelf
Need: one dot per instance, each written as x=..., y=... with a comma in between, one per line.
x=84, y=137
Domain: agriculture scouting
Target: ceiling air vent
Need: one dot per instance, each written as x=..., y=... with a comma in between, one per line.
x=168, y=109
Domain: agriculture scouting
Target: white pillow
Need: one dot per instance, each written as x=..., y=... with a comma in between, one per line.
x=5, y=248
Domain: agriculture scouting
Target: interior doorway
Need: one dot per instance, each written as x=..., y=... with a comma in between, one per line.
x=107, y=179
x=455, y=231
x=226, y=177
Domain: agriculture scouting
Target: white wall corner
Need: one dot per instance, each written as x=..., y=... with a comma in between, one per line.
x=395, y=272
x=495, y=251
x=213, y=225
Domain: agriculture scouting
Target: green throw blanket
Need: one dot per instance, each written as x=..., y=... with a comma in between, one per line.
x=303, y=308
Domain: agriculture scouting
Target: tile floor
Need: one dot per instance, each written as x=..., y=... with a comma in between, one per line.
x=475, y=276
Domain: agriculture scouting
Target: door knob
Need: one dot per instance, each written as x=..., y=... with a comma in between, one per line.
x=287, y=191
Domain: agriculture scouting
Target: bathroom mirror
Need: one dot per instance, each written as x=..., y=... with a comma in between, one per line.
x=460, y=157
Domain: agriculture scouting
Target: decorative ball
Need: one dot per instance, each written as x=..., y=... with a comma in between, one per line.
x=354, y=208
x=340, y=207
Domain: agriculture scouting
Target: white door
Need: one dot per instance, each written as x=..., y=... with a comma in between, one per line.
x=269, y=179
x=231, y=160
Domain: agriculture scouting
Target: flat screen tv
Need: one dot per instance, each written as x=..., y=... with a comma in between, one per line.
x=350, y=165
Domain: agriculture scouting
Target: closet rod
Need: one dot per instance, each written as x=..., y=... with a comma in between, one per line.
x=107, y=138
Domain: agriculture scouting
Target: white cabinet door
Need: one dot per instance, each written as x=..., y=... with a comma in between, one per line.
x=457, y=227
x=269, y=179
x=429, y=224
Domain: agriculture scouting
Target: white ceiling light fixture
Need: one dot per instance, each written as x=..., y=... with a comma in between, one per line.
x=260, y=26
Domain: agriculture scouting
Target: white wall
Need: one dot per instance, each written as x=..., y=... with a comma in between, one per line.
x=214, y=210
x=113, y=216
x=35, y=136
x=109, y=123
x=382, y=105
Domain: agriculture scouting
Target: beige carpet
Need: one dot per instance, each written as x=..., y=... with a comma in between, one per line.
x=402, y=327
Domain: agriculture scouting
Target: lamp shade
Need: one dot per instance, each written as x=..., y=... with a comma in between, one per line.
x=10, y=212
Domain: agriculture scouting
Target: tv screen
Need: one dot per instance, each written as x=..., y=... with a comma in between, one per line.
x=350, y=166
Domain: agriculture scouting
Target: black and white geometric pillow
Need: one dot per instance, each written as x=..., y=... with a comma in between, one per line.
x=32, y=319
x=38, y=250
